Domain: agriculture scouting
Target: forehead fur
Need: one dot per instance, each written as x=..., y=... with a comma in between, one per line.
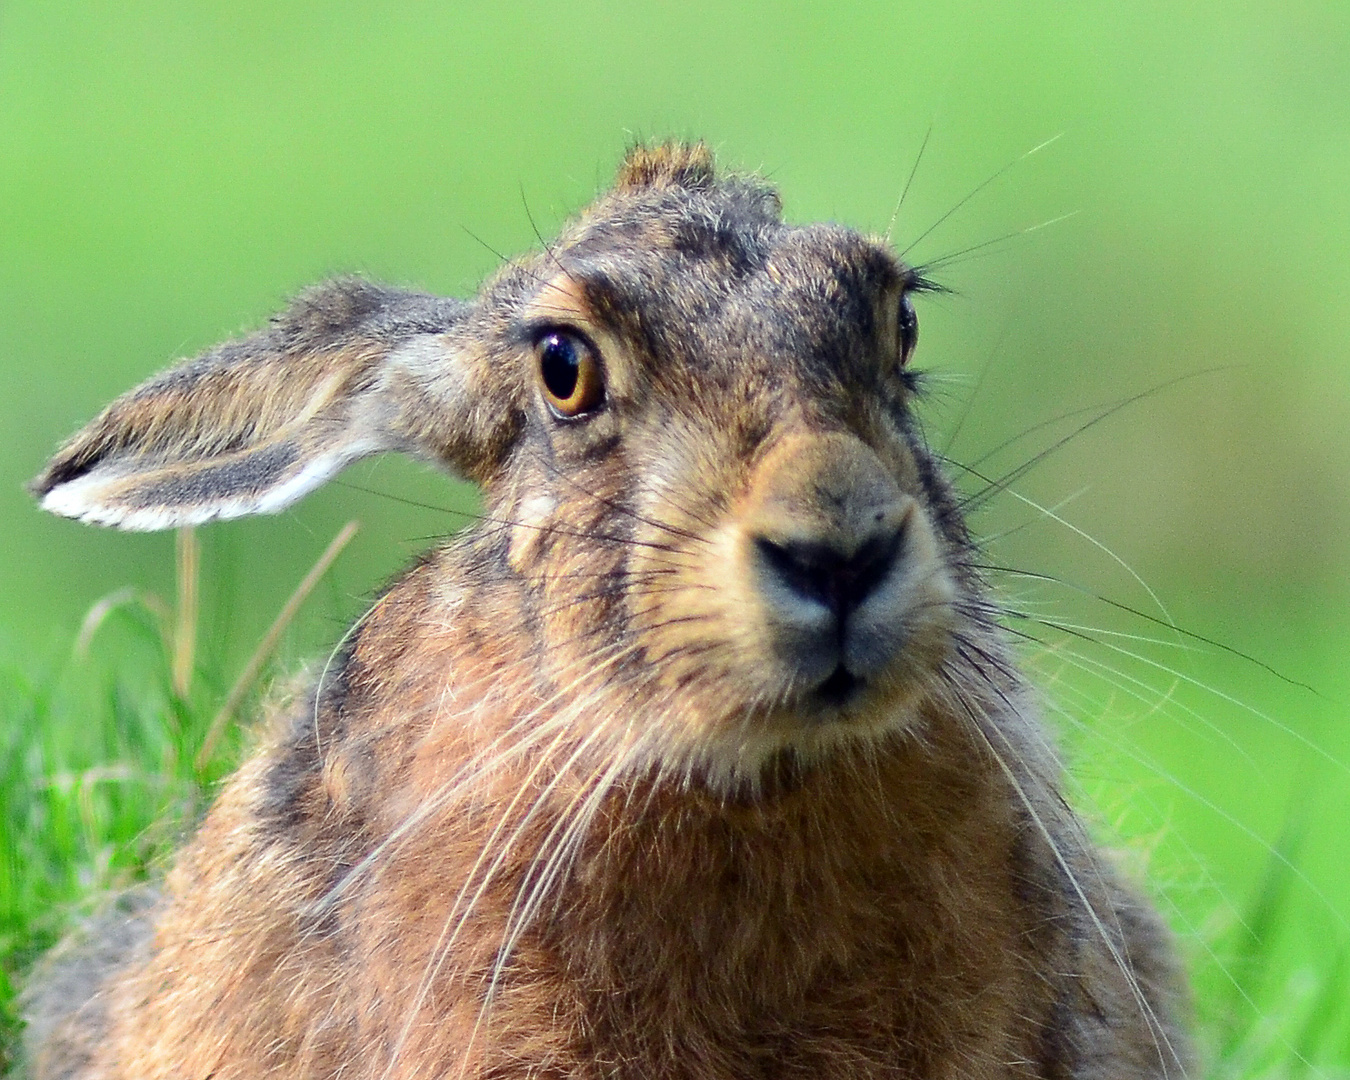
x=670, y=196
x=692, y=270
x=695, y=272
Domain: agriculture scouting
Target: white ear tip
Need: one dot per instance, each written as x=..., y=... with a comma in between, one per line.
x=71, y=500
x=99, y=500
x=79, y=499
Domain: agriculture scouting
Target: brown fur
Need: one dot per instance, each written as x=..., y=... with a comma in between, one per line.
x=580, y=798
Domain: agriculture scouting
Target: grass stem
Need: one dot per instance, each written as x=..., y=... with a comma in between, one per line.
x=188, y=562
x=249, y=675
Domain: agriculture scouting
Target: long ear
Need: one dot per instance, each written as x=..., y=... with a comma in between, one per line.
x=350, y=369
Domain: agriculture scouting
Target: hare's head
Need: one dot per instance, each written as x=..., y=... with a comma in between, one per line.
x=693, y=420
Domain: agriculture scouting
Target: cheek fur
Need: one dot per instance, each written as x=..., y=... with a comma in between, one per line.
x=530, y=525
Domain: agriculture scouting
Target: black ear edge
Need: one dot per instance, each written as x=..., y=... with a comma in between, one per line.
x=56, y=474
x=68, y=464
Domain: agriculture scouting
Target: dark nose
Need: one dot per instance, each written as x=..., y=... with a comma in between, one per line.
x=822, y=573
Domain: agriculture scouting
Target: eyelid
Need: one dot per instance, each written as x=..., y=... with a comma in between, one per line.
x=535, y=329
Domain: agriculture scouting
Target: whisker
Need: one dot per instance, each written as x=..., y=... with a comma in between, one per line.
x=904, y=192
x=1280, y=726
x=990, y=539
x=610, y=504
x=1123, y=682
x=505, y=522
x=1002, y=483
x=1156, y=1029
x=1178, y=784
x=534, y=732
x=969, y=401
x=448, y=937
x=942, y=262
x=1060, y=624
x=569, y=829
x=975, y=191
x=1193, y=635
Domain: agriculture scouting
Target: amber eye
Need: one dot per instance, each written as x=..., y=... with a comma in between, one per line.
x=909, y=329
x=570, y=373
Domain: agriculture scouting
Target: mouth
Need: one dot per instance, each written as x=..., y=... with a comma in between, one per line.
x=840, y=688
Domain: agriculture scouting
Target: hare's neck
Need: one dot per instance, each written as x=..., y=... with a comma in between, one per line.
x=615, y=870
x=673, y=891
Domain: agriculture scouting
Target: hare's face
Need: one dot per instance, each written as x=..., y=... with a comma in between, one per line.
x=694, y=421
x=716, y=485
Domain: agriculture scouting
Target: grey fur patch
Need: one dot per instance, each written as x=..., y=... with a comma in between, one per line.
x=63, y=1002
x=243, y=476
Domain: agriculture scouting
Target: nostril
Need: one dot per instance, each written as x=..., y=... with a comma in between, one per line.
x=871, y=563
x=820, y=572
x=807, y=569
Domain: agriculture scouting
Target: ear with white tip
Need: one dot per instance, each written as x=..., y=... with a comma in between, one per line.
x=351, y=369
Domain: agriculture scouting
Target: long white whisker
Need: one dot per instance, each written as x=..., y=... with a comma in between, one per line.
x=570, y=830
x=1280, y=726
x=445, y=943
x=1127, y=684
x=1157, y=600
x=1155, y=1026
x=452, y=925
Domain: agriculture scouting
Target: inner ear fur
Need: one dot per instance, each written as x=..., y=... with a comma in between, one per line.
x=350, y=369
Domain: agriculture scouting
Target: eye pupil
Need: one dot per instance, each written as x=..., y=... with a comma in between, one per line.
x=559, y=365
x=909, y=329
x=570, y=373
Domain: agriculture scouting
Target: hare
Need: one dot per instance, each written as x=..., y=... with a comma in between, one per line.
x=702, y=756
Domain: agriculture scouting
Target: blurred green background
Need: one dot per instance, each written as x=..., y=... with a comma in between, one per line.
x=170, y=173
